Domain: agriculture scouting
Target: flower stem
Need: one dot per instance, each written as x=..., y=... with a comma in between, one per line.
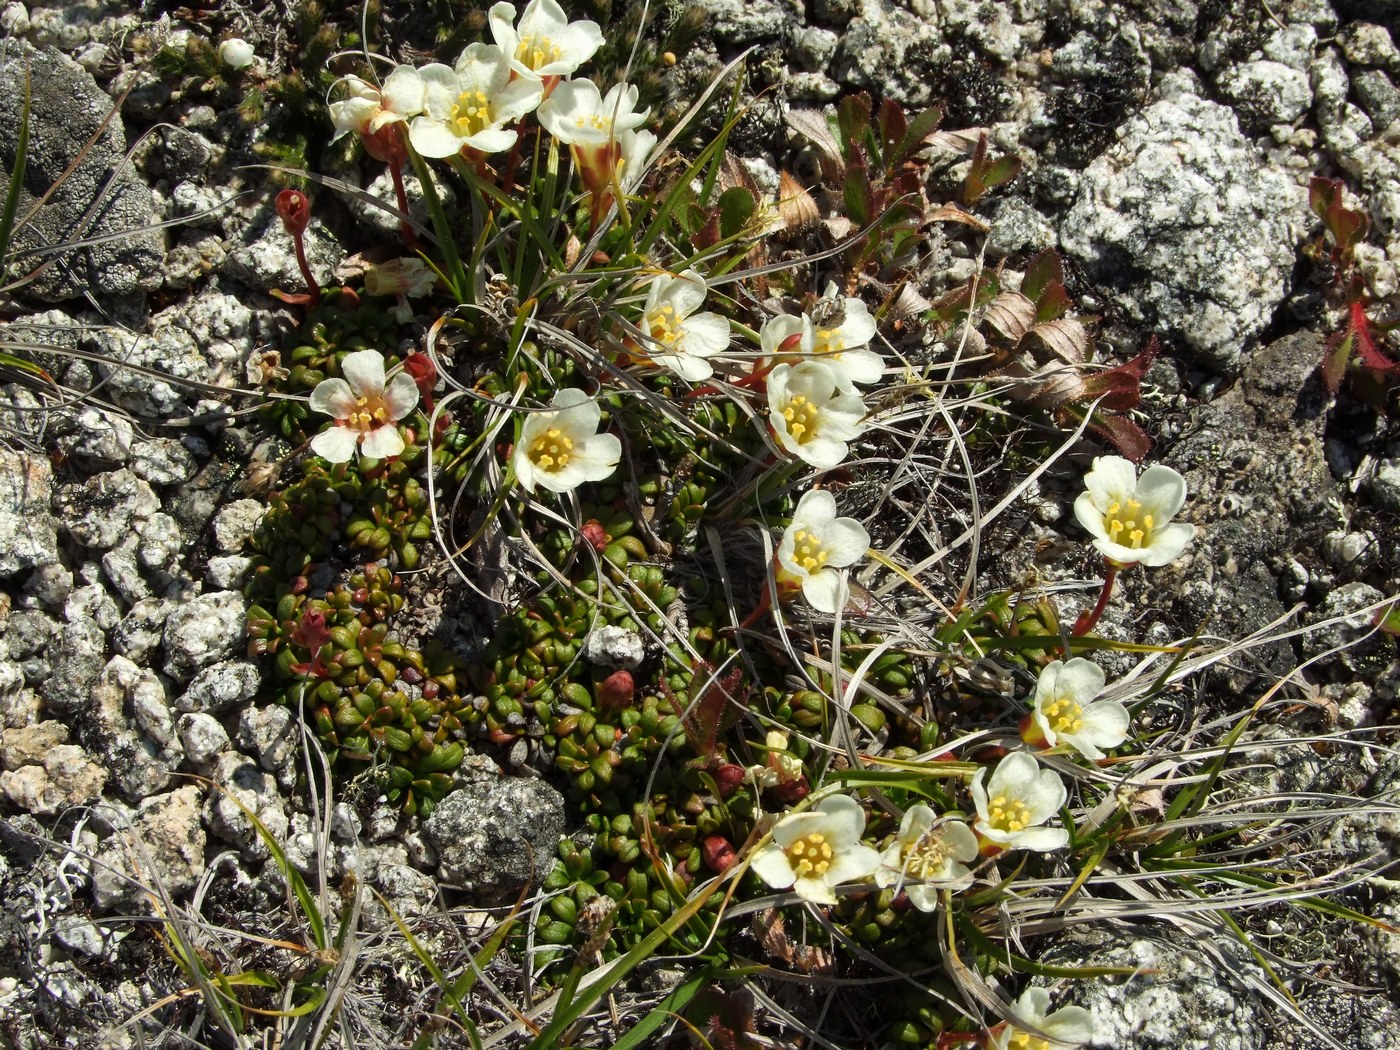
x=401, y=195
x=1087, y=620
x=313, y=290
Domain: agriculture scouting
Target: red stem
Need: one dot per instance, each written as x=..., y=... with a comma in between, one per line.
x=409, y=236
x=1086, y=621
x=313, y=290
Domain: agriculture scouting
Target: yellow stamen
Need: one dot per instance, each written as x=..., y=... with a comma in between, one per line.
x=663, y=325
x=926, y=858
x=808, y=552
x=1064, y=715
x=536, y=51
x=801, y=415
x=369, y=412
x=471, y=113
x=1008, y=814
x=1025, y=1041
x=1126, y=524
x=810, y=855
x=828, y=341
x=552, y=450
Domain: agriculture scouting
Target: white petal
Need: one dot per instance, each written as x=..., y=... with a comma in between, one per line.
x=1111, y=479
x=1168, y=543
x=401, y=396
x=1088, y=514
x=825, y=591
x=1105, y=724
x=777, y=330
x=520, y=460
x=492, y=140
x=516, y=99
x=1046, y=796
x=851, y=863
x=689, y=367
x=1071, y=1025
x=816, y=890
x=705, y=334
x=685, y=292
x=501, y=19
x=337, y=444
x=845, y=820
x=1017, y=775
x=1080, y=679
x=859, y=327
x=1162, y=491
x=771, y=865
x=403, y=91
x=382, y=442
x=918, y=818
x=1041, y=840
x=431, y=138
x=819, y=451
x=364, y=371
x=961, y=842
x=598, y=457
x=795, y=826
x=860, y=366
x=923, y=897
x=846, y=542
x=334, y=398
x=979, y=792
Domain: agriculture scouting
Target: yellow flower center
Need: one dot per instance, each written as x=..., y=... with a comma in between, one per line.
x=810, y=855
x=594, y=120
x=369, y=412
x=1063, y=715
x=801, y=415
x=1008, y=814
x=828, y=341
x=536, y=51
x=808, y=552
x=551, y=450
x=1025, y=1041
x=471, y=113
x=1128, y=525
x=926, y=858
x=663, y=325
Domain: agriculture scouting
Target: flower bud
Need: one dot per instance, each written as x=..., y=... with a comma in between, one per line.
x=236, y=53
x=294, y=207
x=718, y=853
x=616, y=690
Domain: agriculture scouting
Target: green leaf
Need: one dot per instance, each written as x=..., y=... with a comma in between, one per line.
x=1042, y=271
x=736, y=207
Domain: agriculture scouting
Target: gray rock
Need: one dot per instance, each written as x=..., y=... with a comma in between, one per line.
x=26, y=632
x=162, y=461
x=77, y=655
x=203, y=631
x=129, y=722
x=68, y=777
x=219, y=687
x=891, y=52
x=228, y=572
x=27, y=745
x=92, y=602
x=1186, y=230
x=120, y=568
x=100, y=197
x=495, y=836
x=28, y=529
x=269, y=259
x=166, y=350
x=740, y=22
x=269, y=733
x=1267, y=92
x=83, y=937
x=409, y=892
x=1362, y=651
x=98, y=512
x=202, y=736
x=240, y=777
x=164, y=843
x=1378, y=95
x=158, y=543
x=234, y=524
x=1384, y=484
x=614, y=647
x=1367, y=44
x=1190, y=994
x=139, y=634
x=97, y=439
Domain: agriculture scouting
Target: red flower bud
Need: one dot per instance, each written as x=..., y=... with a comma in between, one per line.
x=616, y=690
x=386, y=144
x=793, y=791
x=728, y=777
x=718, y=852
x=595, y=534
x=295, y=209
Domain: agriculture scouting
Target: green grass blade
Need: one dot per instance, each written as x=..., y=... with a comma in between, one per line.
x=7, y=213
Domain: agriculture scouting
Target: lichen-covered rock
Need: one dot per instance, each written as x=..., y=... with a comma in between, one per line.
x=139, y=633
x=76, y=656
x=203, y=631
x=96, y=439
x=69, y=776
x=96, y=193
x=1186, y=230
x=162, y=461
x=269, y=733
x=27, y=745
x=219, y=687
x=98, y=512
x=235, y=522
x=202, y=736
x=129, y=722
x=239, y=777
x=890, y=52
x=28, y=529
x=164, y=842
x=166, y=350
x=495, y=835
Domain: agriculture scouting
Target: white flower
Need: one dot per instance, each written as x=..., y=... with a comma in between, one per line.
x=561, y=449
x=811, y=418
x=1068, y=1026
x=841, y=340
x=593, y=126
x=1065, y=709
x=925, y=858
x=817, y=545
x=367, y=109
x=1022, y=795
x=468, y=105
x=816, y=851
x=1130, y=517
x=786, y=335
x=407, y=276
x=236, y=53
x=681, y=339
x=634, y=150
x=544, y=43
x=366, y=412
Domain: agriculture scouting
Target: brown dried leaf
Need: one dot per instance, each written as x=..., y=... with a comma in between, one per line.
x=963, y=140
x=812, y=125
x=799, y=211
x=1066, y=338
x=952, y=213
x=908, y=304
x=1011, y=315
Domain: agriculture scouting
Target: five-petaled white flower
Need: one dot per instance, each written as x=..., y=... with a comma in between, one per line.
x=366, y=411
x=926, y=857
x=1019, y=796
x=1068, y=1026
x=817, y=546
x=1130, y=516
x=811, y=417
x=592, y=125
x=1065, y=710
x=681, y=339
x=815, y=851
x=544, y=43
x=467, y=105
x=367, y=109
x=561, y=449
x=841, y=331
